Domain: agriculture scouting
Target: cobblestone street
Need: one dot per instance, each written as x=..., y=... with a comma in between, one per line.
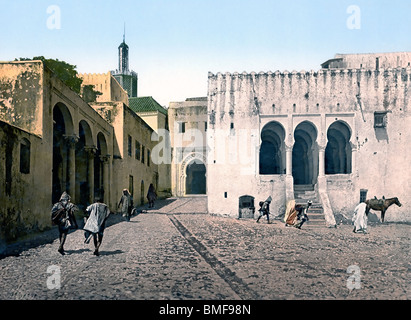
x=177, y=252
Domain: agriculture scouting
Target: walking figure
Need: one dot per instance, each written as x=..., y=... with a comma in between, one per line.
x=98, y=213
x=62, y=215
x=126, y=203
x=151, y=195
x=360, y=218
x=265, y=209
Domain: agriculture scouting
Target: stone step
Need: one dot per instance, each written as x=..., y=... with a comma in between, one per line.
x=304, y=187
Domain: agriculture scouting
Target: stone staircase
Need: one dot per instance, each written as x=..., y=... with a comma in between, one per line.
x=303, y=193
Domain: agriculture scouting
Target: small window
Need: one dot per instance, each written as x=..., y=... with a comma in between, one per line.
x=25, y=156
x=148, y=158
x=380, y=119
x=205, y=126
x=182, y=127
x=129, y=146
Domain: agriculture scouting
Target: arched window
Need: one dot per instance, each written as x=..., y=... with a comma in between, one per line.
x=338, y=150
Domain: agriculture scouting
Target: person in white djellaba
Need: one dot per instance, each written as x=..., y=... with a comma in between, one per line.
x=360, y=218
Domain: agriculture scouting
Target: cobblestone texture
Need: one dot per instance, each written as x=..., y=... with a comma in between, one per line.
x=177, y=252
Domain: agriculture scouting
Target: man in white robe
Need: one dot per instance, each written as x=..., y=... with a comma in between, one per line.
x=96, y=223
x=360, y=218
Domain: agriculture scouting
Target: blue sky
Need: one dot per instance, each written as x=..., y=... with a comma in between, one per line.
x=174, y=43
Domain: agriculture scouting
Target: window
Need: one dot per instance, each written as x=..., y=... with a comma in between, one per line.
x=131, y=185
x=148, y=157
x=182, y=127
x=25, y=156
x=205, y=126
x=143, y=149
x=129, y=146
x=137, y=152
x=380, y=119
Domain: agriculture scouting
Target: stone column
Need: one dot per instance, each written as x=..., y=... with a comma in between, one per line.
x=71, y=164
x=289, y=180
x=321, y=161
x=91, y=151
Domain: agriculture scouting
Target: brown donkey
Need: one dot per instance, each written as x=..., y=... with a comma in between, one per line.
x=381, y=205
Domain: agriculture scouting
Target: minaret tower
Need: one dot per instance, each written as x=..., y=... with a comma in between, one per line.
x=127, y=78
x=123, y=65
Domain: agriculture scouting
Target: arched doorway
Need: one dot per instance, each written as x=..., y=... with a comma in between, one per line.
x=62, y=128
x=83, y=164
x=305, y=154
x=338, y=153
x=272, y=155
x=196, y=178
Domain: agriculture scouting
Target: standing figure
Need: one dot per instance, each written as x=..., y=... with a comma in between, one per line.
x=151, y=196
x=265, y=209
x=96, y=223
x=126, y=203
x=360, y=218
x=62, y=215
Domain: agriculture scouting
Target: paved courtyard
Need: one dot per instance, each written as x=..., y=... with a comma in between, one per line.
x=176, y=251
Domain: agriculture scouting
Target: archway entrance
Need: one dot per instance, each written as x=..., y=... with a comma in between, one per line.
x=196, y=178
x=305, y=154
x=272, y=153
x=62, y=127
x=338, y=152
x=83, y=165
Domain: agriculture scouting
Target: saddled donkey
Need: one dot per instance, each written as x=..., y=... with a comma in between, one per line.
x=381, y=205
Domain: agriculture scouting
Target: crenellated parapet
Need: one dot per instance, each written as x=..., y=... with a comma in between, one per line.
x=325, y=90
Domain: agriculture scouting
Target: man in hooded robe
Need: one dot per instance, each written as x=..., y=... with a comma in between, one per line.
x=126, y=203
x=360, y=218
x=62, y=215
x=96, y=223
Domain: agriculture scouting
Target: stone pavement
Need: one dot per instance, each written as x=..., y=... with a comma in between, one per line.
x=176, y=251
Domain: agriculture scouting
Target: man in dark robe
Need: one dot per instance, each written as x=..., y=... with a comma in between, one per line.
x=62, y=215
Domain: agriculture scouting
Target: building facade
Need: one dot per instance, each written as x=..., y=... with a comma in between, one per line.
x=188, y=136
x=341, y=133
x=53, y=141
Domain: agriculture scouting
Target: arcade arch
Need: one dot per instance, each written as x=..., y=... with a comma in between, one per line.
x=272, y=149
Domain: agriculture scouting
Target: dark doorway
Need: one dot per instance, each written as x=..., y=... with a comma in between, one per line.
x=338, y=151
x=196, y=178
x=305, y=154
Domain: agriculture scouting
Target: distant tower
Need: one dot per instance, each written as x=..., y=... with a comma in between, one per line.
x=123, y=55
x=126, y=78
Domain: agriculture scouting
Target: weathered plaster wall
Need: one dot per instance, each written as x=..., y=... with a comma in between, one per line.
x=22, y=195
x=21, y=96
